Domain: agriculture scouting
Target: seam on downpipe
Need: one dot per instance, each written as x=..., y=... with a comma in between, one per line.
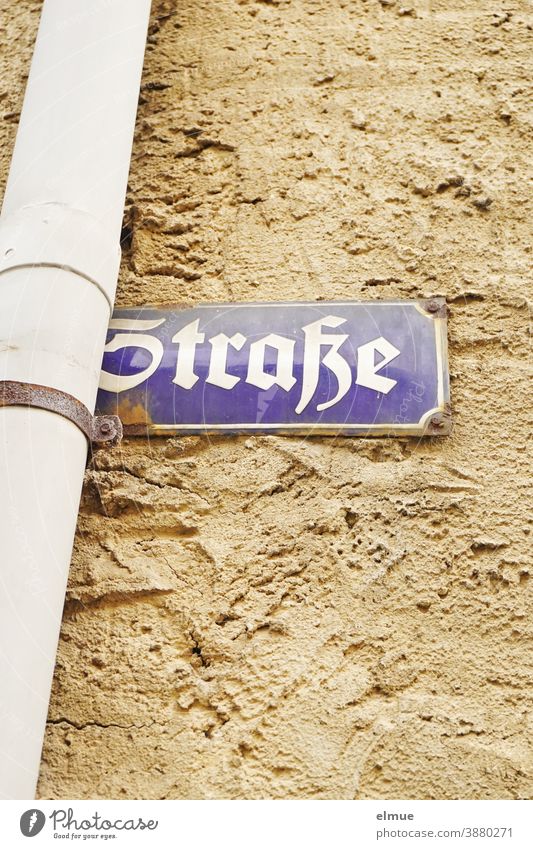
x=64, y=267
x=54, y=235
x=59, y=260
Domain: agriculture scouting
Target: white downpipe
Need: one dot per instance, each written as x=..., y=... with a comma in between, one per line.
x=59, y=259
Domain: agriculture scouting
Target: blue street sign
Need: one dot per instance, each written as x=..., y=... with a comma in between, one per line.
x=367, y=368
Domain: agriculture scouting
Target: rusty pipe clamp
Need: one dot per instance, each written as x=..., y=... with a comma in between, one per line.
x=99, y=430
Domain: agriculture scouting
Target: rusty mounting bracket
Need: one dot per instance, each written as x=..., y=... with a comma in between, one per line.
x=99, y=430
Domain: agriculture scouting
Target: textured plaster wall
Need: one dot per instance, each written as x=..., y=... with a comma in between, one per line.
x=313, y=618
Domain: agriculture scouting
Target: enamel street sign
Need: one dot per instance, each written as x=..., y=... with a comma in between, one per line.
x=355, y=368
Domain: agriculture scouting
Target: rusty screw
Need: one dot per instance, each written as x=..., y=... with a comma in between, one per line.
x=437, y=421
x=432, y=306
x=106, y=429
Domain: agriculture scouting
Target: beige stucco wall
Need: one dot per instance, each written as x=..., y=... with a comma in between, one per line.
x=320, y=618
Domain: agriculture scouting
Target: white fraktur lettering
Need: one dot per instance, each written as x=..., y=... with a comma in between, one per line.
x=284, y=377
x=218, y=375
x=154, y=346
x=187, y=338
x=367, y=368
x=314, y=339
